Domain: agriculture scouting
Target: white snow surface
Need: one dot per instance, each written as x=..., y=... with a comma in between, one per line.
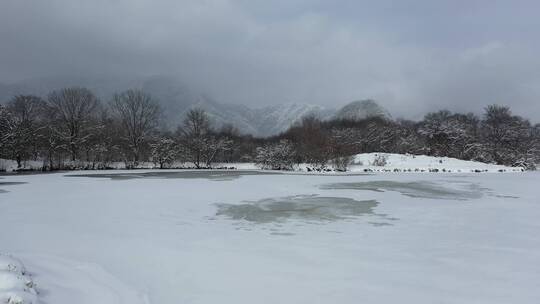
x=16, y=284
x=423, y=163
x=430, y=238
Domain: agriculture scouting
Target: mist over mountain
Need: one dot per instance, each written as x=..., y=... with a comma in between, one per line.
x=176, y=99
x=362, y=109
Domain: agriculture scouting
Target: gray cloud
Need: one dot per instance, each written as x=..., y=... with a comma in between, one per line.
x=412, y=56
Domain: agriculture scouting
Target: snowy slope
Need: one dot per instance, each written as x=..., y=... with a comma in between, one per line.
x=421, y=163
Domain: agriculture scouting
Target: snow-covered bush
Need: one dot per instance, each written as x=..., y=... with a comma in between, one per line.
x=164, y=152
x=341, y=163
x=380, y=160
x=278, y=156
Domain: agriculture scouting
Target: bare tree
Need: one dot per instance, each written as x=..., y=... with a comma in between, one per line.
x=195, y=134
x=342, y=147
x=212, y=146
x=138, y=114
x=312, y=142
x=71, y=110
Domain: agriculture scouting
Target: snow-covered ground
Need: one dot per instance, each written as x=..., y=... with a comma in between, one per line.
x=384, y=162
x=177, y=236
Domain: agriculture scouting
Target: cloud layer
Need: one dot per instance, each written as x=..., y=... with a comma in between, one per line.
x=412, y=56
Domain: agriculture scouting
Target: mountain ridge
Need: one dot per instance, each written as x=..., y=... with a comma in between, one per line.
x=176, y=99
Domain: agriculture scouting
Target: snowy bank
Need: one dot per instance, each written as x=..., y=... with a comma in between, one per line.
x=365, y=162
x=389, y=162
x=61, y=281
x=16, y=285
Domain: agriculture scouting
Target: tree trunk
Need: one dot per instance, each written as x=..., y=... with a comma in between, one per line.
x=19, y=160
x=73, y=152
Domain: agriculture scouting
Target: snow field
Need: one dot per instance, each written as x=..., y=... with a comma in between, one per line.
x=427, y=238
x=371, y=162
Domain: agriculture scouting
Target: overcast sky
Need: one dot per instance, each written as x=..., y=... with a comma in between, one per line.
x=411, y=56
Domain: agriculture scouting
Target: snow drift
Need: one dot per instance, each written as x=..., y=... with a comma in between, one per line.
x=16, y=285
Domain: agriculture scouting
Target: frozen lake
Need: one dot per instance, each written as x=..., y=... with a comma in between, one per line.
x=266, y=237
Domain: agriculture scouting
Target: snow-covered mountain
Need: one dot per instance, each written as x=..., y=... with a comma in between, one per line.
x=362, y=109
x=176, y=99
x=264, y=121
x=277, y=118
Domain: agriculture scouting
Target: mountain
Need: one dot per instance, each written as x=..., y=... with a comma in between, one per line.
x=362, y=109
x=265, y=121
x=274, y=119
x=176, y=99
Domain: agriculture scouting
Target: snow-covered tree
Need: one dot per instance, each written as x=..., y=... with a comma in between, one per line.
x=164, y=152
x=6, y=131
x=503, y=134
x=22, y=124
x=407, y=139
x=212, y=146
x=440, y=130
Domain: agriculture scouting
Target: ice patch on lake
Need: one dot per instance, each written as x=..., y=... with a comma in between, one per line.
x=9, y=184
x=418, y=189
x=301, y=207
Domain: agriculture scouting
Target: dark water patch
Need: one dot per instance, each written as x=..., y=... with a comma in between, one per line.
x=282, y=233
x=380, y=224
x=201, y=174
x=310, y=209
x=418, y=189
x=9, y=184
x=506, y=196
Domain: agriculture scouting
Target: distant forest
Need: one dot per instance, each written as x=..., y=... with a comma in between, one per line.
x=72, y=129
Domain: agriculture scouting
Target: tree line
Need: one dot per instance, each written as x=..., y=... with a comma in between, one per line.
x=72, y=129
x=497, y=137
